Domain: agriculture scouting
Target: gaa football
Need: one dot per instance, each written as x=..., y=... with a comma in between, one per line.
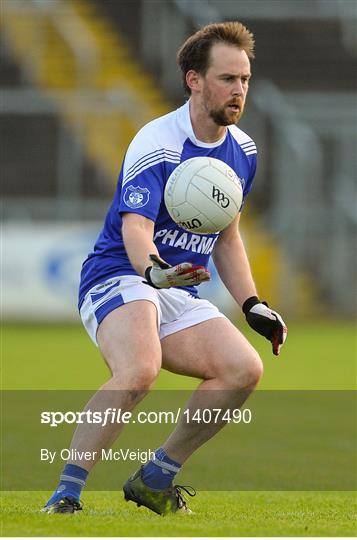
x=203, y=195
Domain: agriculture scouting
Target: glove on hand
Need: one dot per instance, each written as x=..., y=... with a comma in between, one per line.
x=266, y=322
x=162, y=276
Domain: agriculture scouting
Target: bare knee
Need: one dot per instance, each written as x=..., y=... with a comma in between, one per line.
x=253, y=370
x=244, y=372
x=139, y=378
x=145, y=377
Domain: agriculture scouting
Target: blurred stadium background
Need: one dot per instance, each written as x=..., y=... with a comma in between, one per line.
x=79, y=77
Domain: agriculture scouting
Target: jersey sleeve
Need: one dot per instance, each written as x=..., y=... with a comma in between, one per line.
x=252, y=170
x=247, y=185
x=142, y=178
x=247, y=165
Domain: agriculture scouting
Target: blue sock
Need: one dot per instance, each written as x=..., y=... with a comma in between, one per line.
x=71, y=483
x=159, y=473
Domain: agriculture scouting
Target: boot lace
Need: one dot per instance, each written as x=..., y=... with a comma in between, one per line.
x=178, y=492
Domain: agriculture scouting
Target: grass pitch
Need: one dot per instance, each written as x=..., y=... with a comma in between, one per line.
x=216, y=514
x=316, y=356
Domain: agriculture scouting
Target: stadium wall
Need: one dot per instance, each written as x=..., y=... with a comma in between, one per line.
x=42, y=269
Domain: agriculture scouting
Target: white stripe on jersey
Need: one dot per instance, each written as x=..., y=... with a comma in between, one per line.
x=150, y=155
x=244, y=141
x=148, y=165
x=148, y=159
x=248, y=146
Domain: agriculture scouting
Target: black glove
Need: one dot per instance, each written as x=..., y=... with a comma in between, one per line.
x=265, y=321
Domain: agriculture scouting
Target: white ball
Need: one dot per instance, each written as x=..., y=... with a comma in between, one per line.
x=203, y=195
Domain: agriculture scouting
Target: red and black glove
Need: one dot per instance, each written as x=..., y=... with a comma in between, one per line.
x=265, y=321
x=162, y=276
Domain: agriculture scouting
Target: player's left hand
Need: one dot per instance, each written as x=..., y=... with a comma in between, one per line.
x=266, y=322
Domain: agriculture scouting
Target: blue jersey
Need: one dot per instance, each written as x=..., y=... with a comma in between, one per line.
x=157, y=149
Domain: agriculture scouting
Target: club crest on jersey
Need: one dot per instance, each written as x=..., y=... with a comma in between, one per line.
x=136, y=197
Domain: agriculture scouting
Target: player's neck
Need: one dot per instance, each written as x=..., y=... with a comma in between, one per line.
x=204, y=128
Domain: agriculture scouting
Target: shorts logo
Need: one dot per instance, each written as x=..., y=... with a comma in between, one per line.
x=136, y=197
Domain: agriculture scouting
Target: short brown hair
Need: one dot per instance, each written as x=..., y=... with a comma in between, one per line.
x=194, y=53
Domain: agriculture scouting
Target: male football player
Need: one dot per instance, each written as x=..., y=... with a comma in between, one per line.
x=138, y=295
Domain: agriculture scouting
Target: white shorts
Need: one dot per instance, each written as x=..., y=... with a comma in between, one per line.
x=176, y=309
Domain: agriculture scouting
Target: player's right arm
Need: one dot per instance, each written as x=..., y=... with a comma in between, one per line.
x=138, y=232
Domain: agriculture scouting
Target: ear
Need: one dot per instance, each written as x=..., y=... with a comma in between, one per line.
x=194, y=80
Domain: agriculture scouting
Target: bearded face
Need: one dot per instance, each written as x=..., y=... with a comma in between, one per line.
x=225, y=84
x=223, y=115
